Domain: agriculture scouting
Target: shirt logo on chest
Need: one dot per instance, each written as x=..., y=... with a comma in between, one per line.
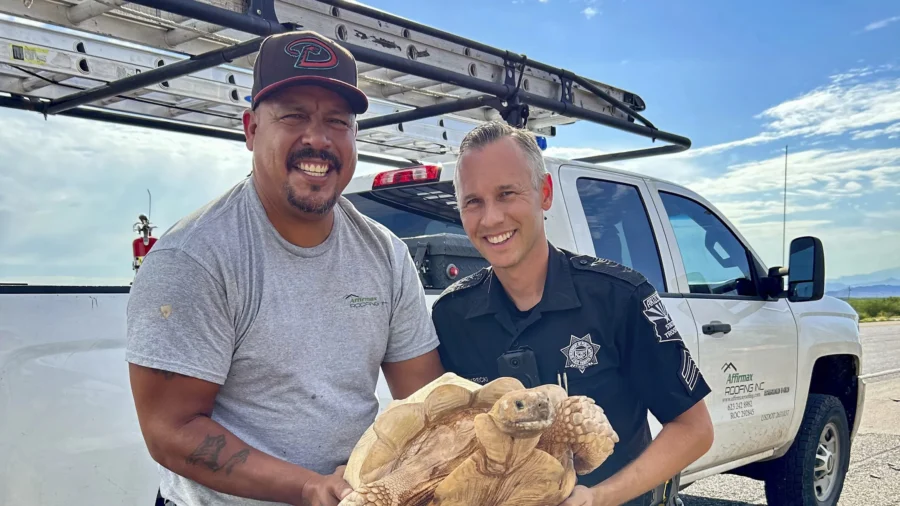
x=580, y=353
x=355, y=301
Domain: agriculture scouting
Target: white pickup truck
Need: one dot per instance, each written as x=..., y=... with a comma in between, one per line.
x=783, y=366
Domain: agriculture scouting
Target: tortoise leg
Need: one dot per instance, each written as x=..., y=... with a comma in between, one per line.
x=538, y=480
x=397, y=489
x=582, y=427
x=375, y=494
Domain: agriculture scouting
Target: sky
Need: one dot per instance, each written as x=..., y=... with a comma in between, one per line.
x=741, y=80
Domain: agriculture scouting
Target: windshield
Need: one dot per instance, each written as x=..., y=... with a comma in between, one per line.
x=412, y=211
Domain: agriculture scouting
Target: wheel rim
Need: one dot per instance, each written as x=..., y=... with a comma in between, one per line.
x=827, y=458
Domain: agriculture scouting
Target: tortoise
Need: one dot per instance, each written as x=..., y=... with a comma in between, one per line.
x=457, y=443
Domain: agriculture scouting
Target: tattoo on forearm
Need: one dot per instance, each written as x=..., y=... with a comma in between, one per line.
x=207, y=455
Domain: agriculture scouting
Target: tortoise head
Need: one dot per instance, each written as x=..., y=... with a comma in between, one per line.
x=523, y=413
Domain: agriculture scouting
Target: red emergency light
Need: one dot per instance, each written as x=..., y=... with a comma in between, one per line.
x=408, y=175
x=143, y=244
x=140, y=249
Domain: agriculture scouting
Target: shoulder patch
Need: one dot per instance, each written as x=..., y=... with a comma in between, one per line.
x=470, y=281
x=656, y=313
x=608, y=267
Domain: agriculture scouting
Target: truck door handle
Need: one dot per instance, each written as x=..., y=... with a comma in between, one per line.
x=716, y=327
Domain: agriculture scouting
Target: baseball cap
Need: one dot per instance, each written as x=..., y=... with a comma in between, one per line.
x=306, y=57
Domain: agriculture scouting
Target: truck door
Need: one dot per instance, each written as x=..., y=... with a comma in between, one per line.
x=611, y=219
x=747, y=342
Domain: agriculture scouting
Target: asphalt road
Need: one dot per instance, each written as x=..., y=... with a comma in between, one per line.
x=874, y=475
x=881, y=346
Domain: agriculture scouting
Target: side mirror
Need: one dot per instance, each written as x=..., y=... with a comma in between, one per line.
x=806, y=270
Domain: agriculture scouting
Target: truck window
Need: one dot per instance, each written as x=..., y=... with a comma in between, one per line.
x=620, y=227
x=412, y=211
x=714, y=259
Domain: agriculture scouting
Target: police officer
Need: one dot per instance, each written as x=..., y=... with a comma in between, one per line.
x=545, y=315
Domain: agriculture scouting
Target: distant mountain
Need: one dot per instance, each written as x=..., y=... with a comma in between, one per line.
x=866, y=292
x=890, y=277
x=843, y=286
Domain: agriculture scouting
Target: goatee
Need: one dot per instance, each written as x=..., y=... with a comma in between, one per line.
x=310, y=205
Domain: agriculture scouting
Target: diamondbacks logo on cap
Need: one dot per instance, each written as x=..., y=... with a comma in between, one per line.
x=311, y=53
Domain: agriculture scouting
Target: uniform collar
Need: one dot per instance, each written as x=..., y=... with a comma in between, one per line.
x=559, y=290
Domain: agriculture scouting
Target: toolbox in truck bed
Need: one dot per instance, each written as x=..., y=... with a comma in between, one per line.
x=443, y=259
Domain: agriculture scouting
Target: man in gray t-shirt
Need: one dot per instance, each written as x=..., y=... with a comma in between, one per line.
x=257, y=325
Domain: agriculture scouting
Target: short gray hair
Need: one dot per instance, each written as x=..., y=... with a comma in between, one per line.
x=493, y=131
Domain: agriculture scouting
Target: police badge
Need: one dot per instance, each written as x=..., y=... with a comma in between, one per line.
x=580, y=353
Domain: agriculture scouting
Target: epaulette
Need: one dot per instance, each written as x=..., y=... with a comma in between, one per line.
x=470, y=281
x=608, y=267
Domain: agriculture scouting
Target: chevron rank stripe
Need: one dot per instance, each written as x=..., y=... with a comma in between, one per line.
x=690, y=373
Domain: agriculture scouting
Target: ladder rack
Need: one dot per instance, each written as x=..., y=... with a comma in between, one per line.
x=186, y=65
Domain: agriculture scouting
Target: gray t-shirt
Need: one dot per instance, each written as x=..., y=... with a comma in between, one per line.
x=294, y=336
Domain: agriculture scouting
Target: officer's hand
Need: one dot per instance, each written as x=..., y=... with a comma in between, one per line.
x=325, y=490
x=580, y=496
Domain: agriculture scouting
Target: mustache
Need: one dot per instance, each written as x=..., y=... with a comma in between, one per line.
x=309, y=153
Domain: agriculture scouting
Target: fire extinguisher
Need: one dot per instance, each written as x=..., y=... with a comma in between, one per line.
x=141, y=246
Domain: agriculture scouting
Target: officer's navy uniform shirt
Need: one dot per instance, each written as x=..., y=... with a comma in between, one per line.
x=600, y=323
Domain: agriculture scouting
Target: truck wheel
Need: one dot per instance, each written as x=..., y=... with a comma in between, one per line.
x=812, y=472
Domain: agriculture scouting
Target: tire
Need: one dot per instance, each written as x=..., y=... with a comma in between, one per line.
x=801, y=477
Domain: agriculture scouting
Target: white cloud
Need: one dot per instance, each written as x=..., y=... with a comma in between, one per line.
x=726, y=146
x=590, y=12
x=881, y=24
x=828, y=189
x=855, y=74
x=70, y=191
x=849, y=250
x=893, y=132
x=892, y=214
x=868, y=169
x=844, y=105
x=836, y=109
x=669, y=168
x=745, y=212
